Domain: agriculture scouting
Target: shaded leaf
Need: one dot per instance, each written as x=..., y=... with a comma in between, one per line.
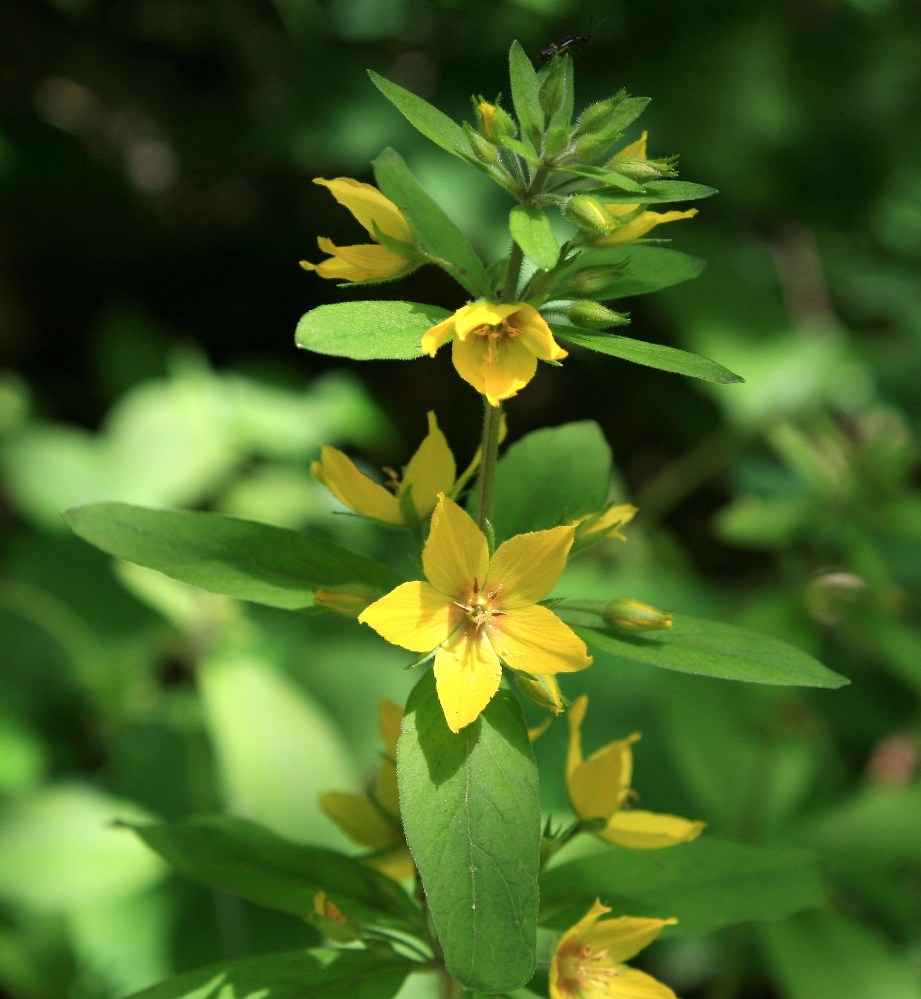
x=532, y=231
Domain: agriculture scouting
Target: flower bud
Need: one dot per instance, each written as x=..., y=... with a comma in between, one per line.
x=543, y=690
x=329, y=919
x=595, y=315
x=484, y=150
x=633, y=615
x=588, y=214
x=493, y=121
x=592, y=280
x=553, y=87
x=643, y=170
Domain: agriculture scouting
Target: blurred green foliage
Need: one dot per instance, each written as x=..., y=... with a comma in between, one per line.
x=155, y=159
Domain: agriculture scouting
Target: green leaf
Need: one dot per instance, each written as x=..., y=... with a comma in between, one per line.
x=550, y=477
x=652, y=355
x=470, y=806
x=238, y=558
x=710, y=648
x=661, y=192
x=826, y=956
x=642, y=269
x=358, y=974
x=609, y=177
x=245, y=859
x=438, y=235
x=706, y=884
x=525, y=94
x=532, y=231
x=368, y=331
x=432, y=123
x=521, y=148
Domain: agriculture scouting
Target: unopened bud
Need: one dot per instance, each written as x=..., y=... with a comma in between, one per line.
x=633, y=615
x=588, y=215
x=643, y=170
x=553, y=86
x=595, y=315
x=493, y=120
x=328, y=918
x=543, y=690
x=592, y=280
x=483, y=149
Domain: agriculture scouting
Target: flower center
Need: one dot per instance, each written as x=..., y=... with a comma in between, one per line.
x=583, y=967
x=481, y=606
x=496, y=335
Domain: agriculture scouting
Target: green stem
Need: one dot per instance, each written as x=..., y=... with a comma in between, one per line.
x=489, y=453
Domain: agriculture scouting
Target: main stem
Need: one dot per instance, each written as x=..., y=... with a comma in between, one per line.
x=489, y=453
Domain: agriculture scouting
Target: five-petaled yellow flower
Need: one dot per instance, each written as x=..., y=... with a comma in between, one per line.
x=367, y=261
x=588, y=960
x=374, y=819
x=430, y=471
x=636, y=222
x=496, y=347
x=599, y=788
x=479, y=612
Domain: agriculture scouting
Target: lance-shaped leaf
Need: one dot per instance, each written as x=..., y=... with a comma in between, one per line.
x=706, y=884
x=532, y=231
x=228, y=555
x=368, y=331
x=711, y=648
x=432, y=123
x=652, y=355
x=525, y=94
x=660, y=192
x=438, y=235
x=470, y=807
x=551, y=477
x=245, y=859
x=358, y=974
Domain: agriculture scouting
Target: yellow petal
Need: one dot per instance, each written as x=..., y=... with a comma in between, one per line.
x=472, y=317
x=599, y=785
x=361, y=820
x=535, y=640
x=456, y=553
x=649, y=830
x=353, y=488
x=535, y=333
x=496, y=369
x=390, y=719
x=430, y=471
x=625, y=936
x=467, y=676
x=636, y=150
x=641, y=225
x=369, y=207
x=527, y=566
x=396, y=864
x=437, y=336
x=363, y=262
x=414, y=616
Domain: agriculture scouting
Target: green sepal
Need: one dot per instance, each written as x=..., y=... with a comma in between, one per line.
x=706, y=884
x=435, y=125
x=436, y=232
x=245, y=859
x=358, y=974
x=237, y=558
x=368, y=331
x=638, y=270
x=550, y=477
x=652, y=355
x=471, y=811
x=526, y=95
x=711, y=648
x=531, y=230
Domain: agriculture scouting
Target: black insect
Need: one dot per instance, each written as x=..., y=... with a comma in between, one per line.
x=568, y=44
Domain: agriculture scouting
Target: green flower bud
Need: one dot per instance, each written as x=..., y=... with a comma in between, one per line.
x=642, y=170
x=553, y=87
x=595, y=315
x=591, y=280
x=587, y=213
x=633, y=615
x=482, y=148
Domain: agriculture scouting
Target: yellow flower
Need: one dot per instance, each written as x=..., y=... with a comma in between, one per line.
x=430, y=471
x=479, y=612
x=599, y=788
x=374, y=819
x=367, y=261
x=588, y=960
x=496, y=347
